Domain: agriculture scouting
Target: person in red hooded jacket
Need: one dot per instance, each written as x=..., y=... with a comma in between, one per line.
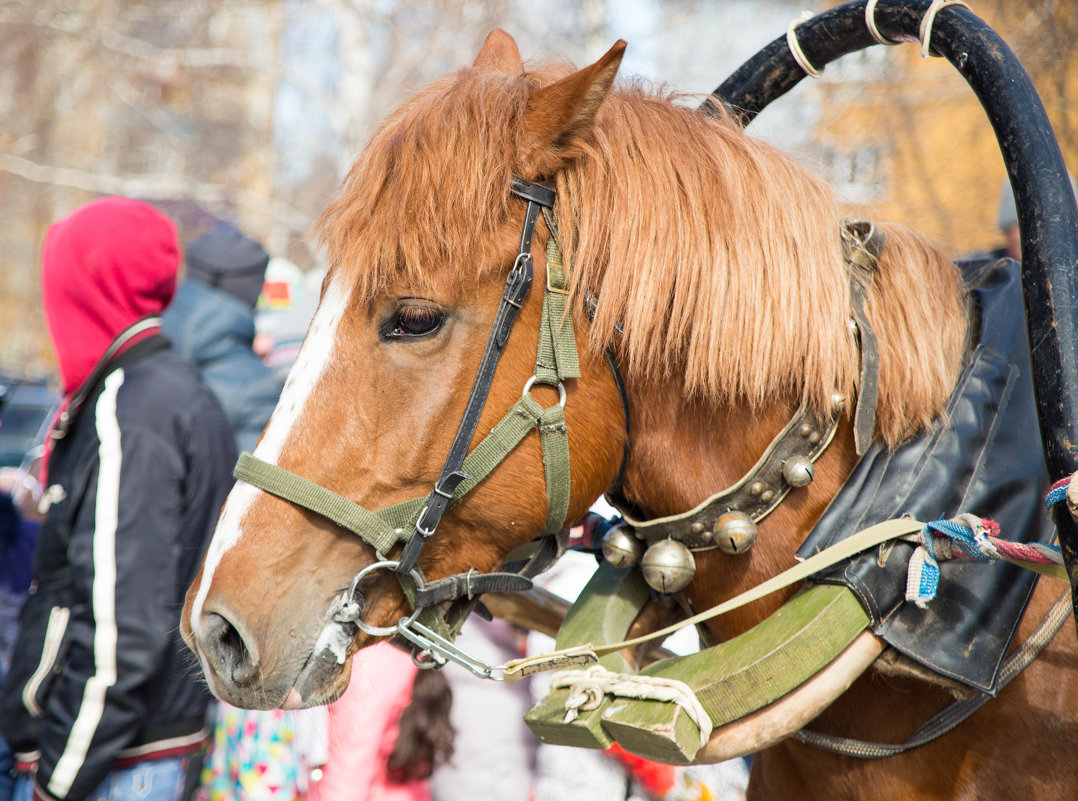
x=102, y=700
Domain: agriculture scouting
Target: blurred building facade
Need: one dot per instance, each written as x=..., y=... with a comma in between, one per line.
x=251, y=111
x=906, y=135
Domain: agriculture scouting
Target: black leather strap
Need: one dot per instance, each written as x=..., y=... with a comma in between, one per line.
x=862, y=243
x=469, y=585
x=517, y=286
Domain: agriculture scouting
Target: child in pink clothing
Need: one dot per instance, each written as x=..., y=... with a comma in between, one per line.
x=382, y=744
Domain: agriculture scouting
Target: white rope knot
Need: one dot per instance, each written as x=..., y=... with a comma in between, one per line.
x=584, y=695
x=929, y=18
x=795, y=46
x=588, y=687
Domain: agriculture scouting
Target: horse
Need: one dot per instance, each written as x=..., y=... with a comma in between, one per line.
x=708, y=284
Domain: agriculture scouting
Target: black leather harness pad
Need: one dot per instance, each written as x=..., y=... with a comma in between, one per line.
x=985, y=459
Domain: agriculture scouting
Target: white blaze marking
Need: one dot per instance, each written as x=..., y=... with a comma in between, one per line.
x=311, y=362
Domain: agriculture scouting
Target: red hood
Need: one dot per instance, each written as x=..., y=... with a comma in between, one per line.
x=103, y=267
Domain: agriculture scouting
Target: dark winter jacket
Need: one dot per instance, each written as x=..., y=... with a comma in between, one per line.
x=139, y=468
x=215, y=331
x=99, y=670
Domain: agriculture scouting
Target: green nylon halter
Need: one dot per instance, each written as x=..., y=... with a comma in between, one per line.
x=556, y=361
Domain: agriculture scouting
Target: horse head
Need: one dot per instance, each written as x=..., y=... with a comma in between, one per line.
x=707, y=265
x=420, y=241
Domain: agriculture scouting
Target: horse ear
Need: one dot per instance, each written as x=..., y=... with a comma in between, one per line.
x=499, y=53
x=559, y=116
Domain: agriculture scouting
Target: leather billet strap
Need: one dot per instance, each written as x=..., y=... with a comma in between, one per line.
x=862, y=243
x=517, y=286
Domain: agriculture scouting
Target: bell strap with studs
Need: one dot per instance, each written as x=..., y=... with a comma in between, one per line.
x=786, y=463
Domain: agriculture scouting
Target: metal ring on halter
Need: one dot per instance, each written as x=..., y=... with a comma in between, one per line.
x=382, y=631
x=561, y=390
x=428, y=660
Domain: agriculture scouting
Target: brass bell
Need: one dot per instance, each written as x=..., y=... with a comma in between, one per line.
x=668, y=566
x=735, y=532
x=798, y=471
x=621, y=548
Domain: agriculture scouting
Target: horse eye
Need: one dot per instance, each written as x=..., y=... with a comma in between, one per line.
x=415, y=321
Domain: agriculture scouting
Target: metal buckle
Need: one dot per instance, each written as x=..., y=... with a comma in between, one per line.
x=550, y=288
x=426, y=532
x=517, y=278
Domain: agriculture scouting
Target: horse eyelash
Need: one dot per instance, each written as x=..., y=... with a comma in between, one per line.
x=397, y=327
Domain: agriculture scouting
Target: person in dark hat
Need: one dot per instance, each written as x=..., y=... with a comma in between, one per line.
x=211, y=322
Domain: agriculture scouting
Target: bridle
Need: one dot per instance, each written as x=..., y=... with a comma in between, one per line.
x=413, y=522
x=430, y=628
x=517, y=286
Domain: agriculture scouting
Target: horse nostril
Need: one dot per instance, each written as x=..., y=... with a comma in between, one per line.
x=222, y=644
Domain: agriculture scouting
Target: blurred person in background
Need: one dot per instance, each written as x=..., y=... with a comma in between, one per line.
x=493, y=751
x=9, y=532
x=289, y=299
x=101, y=700
x=211, y=322
x=255, y=755
x=388, y=732
x=20, y=493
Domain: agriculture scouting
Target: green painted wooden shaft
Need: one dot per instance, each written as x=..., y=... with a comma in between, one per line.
x=739, y=677
x=731, y=680
x=605, y=610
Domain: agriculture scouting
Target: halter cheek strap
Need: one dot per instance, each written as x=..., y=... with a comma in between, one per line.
x=517, y=286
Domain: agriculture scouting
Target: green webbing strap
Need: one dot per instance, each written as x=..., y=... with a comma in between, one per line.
x=376, y=531
x=522, y=417
x=554, y=439
x=556, y=357
x=386, y=527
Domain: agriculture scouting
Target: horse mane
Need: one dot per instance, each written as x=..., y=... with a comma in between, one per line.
x=716, y=254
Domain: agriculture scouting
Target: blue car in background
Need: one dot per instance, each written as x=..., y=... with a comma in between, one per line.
x=26, y=408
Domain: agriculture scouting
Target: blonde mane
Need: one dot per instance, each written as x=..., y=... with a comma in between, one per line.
x=717, y=254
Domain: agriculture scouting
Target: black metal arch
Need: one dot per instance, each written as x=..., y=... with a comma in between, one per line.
x=1047, y=214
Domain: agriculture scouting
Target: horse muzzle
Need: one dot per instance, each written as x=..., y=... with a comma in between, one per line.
x=241, y=673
